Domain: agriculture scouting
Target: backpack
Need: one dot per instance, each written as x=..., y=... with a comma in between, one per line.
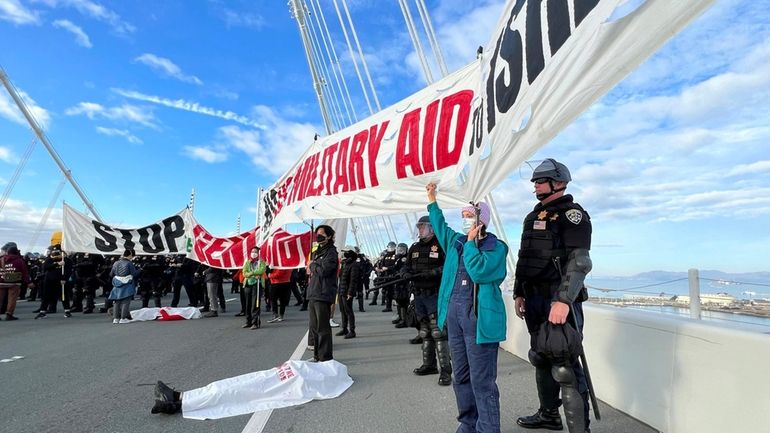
x=9, y=273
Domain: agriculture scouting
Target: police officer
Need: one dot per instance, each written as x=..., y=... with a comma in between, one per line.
x=385, y=270
x=401, y=290
x=185, y=269
x=86, y=282
x=151, y=280
x=366, y=269
x=424, y=262
x=553, y=263
x=350, y=280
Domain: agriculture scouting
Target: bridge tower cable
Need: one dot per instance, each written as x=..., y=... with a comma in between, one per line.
x=46, y=214
x=17, y=173
x=44, y=139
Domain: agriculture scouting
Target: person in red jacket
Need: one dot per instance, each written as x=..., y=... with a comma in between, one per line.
x=280, y=293
x=13, y=272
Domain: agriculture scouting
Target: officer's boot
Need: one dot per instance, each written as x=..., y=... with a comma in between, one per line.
x=445, y=379
x=374, y=297
x=547, y=416
x=388, y=304
x=89, y=304
x=402, y=313
x=574, y=405
x=428, y=359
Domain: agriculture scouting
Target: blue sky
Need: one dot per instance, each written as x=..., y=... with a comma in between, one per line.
x=146, y=100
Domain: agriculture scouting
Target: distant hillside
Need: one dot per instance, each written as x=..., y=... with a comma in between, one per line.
x=749, y=277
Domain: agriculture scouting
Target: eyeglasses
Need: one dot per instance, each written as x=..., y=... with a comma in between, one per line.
x=541, y=180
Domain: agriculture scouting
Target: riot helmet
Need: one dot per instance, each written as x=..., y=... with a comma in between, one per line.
x=550, y=171
x=391, y=247
x=424, y=228
x=401, y=249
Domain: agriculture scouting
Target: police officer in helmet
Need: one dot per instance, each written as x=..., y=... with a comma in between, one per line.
x=424, y=262
x=553, y=262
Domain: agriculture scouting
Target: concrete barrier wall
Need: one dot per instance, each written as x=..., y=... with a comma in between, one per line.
x=676, y=374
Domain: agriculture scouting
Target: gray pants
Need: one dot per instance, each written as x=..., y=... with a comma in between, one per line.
x=211, y=288
x=121, y=308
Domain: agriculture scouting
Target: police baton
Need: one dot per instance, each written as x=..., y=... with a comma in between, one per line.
x=584, y=363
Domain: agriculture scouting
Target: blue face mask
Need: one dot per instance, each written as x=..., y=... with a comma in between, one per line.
x=468, y=224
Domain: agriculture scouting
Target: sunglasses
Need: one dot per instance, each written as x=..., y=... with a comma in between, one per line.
x=541, y=180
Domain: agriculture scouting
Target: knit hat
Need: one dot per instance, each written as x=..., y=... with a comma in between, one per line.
x=483, y=215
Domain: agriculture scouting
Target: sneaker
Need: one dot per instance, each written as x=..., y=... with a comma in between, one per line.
x=67, y=314
x=333, y=324
x=241, y=314
x=41, y=315
x=280, y=318
x=9, y=317
x=248, y=325
x=273, y=320
x=311, y=348
x=115, y=321
x=124, y=321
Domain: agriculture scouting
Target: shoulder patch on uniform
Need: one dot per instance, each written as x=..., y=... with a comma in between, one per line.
x=574, y=216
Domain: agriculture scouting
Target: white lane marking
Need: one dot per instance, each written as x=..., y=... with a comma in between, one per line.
x=11, y=359
x=258, y=421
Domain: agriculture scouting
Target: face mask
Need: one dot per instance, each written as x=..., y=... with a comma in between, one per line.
x=468, y=224
x=320, y=238
x=254, y=255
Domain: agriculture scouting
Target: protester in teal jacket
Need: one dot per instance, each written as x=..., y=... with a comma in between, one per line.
x=474, y=339
x=487, y=268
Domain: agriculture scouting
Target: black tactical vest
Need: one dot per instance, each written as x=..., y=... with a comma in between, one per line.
x=424, y=257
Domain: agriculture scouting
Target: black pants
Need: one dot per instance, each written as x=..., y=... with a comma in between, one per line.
x=295, y=291
x=280, y=294
x=252, y=305
x=320, y=330
x=85, y=288
x=346, y=310
x=52, y=292
x=186, y=281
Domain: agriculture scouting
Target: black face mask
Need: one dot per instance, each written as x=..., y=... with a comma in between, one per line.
x=320, y=238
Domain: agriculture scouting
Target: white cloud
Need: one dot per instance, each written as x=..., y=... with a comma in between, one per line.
x=6, y=155
x=753, y=168
x=80, y=36
x=93, y=10
x=10, y=110
x=125, y=112
x=181, y=104
x=167, y=67
x=206, y=154
x=15, y=12
x=119, y=133
x=19, y=221
x=239, y=19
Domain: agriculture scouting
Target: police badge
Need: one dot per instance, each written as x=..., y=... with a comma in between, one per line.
x=574, y=216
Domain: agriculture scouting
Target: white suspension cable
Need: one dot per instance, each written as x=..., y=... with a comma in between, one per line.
x=391, y=233
x=46, y=214
x=327, y=41
x=434, y=45
x=416, y=40
x=323, y=70
x=17, y=173
x=361, y=54
x=353, y=57
x=297, y=13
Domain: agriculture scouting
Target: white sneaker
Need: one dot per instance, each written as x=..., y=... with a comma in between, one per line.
x=124, y=321
x=333, y=324
x=115, y=321
x=280, y=318
x=274, y=319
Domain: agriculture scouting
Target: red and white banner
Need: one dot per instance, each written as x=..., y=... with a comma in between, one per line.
x=282, y=250
x=545, y=64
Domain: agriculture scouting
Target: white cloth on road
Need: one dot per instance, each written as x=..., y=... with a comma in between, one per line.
x=166, y=313
x=293, y=383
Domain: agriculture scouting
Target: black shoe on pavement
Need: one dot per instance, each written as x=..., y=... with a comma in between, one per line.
x=387, y=310
x=103, y=310
x=241, y=314
x=298, y=303
x=9, y=317
x=401, y=325
x=88, y=311
x=342, y=332
x=543, y=418
x=372, y=303
x=445, y=379
x=349, y=335
x=425, y=370
x=415, y=340
x=167, y=407
x=164, y=392
x=67, y=314
x=211, y=314
x=41, y=315
x=361, y=310
x=303, y=308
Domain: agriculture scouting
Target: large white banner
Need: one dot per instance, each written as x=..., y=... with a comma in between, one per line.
x=546, y=63
x=83, y=234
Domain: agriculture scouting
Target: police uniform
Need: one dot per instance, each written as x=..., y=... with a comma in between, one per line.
x=151, y=281
x=86, y=281
x=551, y=233
x=424, y=262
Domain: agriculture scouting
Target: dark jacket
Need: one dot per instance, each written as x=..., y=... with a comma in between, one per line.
x=13, y=271
x=323, y=275
x=350, y=277
x=213, y=275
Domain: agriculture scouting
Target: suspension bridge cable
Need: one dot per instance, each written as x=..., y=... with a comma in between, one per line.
x=17, y=173
x=47, y=213
x=353, y=57
x=416, y=40
x=361, y=54
x=432, y=40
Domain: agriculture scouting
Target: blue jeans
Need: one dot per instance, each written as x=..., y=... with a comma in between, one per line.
x=475, y=372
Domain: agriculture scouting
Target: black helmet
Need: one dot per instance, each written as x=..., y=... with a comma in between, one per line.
x=391, y=246
x=551, y=169
x=423, y=220
x=401, y=248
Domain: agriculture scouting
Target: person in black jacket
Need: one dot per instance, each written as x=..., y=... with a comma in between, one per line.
x=350, y=280
x=321, y=291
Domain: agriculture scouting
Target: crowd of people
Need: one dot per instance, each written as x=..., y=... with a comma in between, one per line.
x=446, y=285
